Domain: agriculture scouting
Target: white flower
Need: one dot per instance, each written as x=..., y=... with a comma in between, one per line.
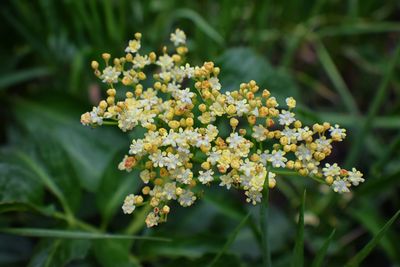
x=110, y=75
x=213, y=156
x=178, y=37
x=331, y=170
x=303, y=153
x=206, y=177
x=165, y=62
x=242, y=107
x=226, y=180
x=323, y=143
x=247, y=167
x=277, y=159
x=253, y=196
x=137, y=147
x=94, y=116
x=337, y=133
x=214, y=82
x=185, y=96
x=129, y=204
x=152, y=219
x=340, y=186
x=139, y=62
x=355, y=177
x=182, y=175
x=259, y=133
x=145, y=176
x=133, y=46
x=158, y=158
x=187, y=198
x=286, y=118
x=235, y=140
x=172, y=161
x=169, y=190
x=291, y=135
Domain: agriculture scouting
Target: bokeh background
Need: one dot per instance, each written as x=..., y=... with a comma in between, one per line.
x=339, y=59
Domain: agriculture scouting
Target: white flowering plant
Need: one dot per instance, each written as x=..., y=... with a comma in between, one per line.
x=182, y=149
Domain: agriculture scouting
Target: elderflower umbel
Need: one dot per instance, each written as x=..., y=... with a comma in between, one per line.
x=181, y=153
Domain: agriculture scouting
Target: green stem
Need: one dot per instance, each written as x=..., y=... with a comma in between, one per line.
x=110, y=123
x=266, y=254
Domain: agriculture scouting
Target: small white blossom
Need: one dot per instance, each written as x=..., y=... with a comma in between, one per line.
x=259, y=133
x=110, y=75
x=152, y=219
x=340, y=186
x=277, y=159
x=214, y=82
x=355, y=177
x=331, y=170
x=337, y=133
x=187, y=198
x=179, y=37
x=253, y=196
x=133, y=46
x=206, y=177
x=286, y=118
x=129, y=204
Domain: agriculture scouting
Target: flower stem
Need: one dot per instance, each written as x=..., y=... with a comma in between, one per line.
x=266, y=254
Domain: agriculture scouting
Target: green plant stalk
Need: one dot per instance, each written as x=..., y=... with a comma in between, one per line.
x=230, y=240
x=298, y=251
x=363, y=253
x=266, y=253
x=336, y=78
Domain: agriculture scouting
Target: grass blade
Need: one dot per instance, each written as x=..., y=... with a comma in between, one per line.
x=298, y=251
x=10, y=79
x=319, y=258
x=230, y=240
x=337, y=80
x=373, y=109
x=360, y=256
x=71, y=234
x=200, y=22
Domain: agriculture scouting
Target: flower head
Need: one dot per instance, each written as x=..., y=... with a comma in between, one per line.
x=182, y=152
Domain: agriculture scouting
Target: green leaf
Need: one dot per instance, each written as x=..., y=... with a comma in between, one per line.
x=54, y=253
x=298, y=251
x=22, y=206
x=72, y=234
x=89, y=150
x=230, y=240
x=110, y=253
x=42, y=176
x=241, y=64
x=366, y=250
x=319, y=258
x=18, y=184
x=114, y=187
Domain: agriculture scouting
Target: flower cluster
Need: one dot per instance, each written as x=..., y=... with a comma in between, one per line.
x=182, y=149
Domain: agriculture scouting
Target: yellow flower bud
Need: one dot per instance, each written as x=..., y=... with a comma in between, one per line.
x=165, y=209
x=233, y=122
x=95, y=65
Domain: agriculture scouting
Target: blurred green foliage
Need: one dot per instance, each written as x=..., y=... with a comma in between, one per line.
x=338, y=58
